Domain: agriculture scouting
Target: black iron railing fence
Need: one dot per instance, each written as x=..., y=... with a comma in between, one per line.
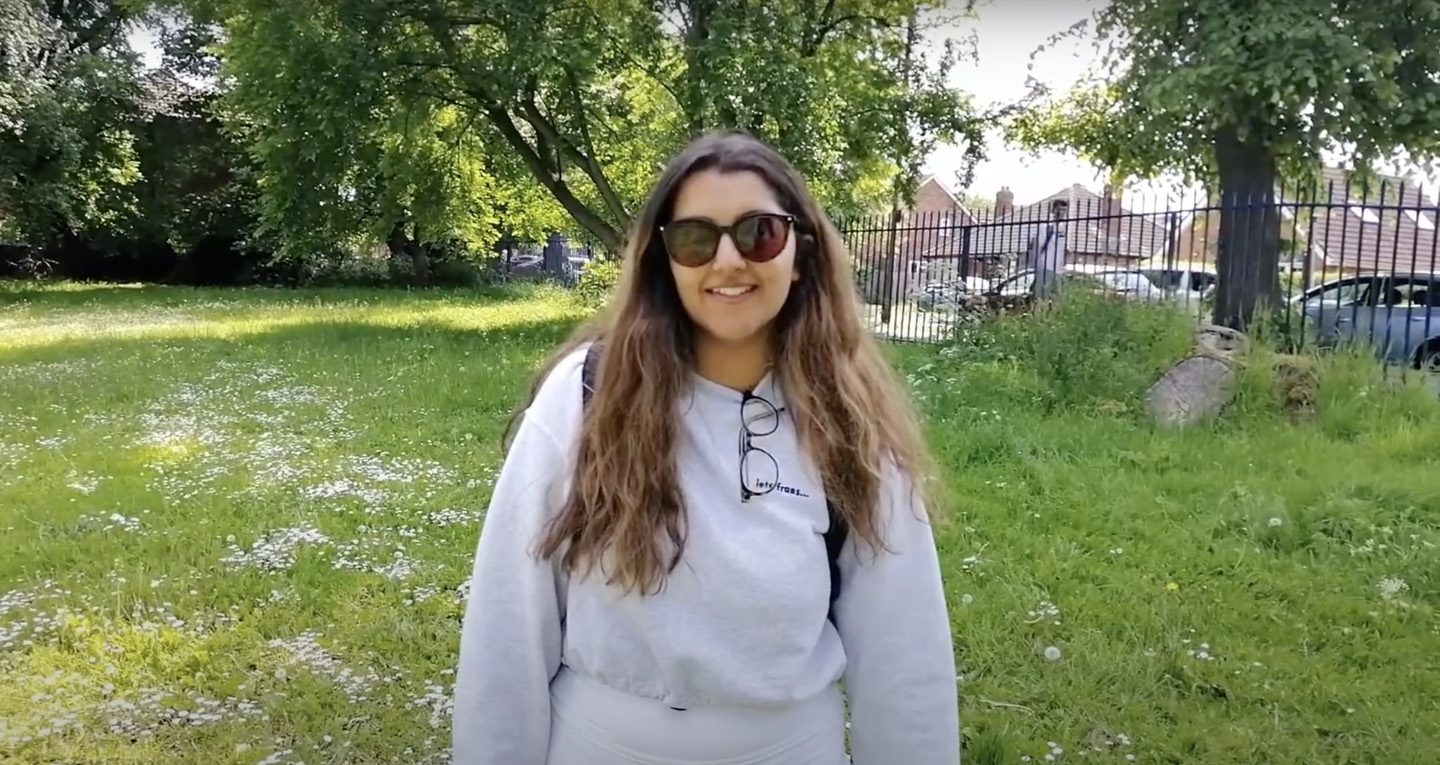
x=1353, y=258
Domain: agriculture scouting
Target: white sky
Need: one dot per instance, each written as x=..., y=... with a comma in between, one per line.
x=1008, y=32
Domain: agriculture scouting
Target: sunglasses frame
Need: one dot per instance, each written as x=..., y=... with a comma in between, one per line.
x=724, y=231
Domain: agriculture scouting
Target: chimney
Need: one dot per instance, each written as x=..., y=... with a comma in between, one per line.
x=1004, y=201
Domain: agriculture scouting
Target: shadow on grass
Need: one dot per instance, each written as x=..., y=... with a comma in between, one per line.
x=62, y=295
x=522, y=337
x=64, y=323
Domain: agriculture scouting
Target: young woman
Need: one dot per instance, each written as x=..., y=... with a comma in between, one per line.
x=652, y=583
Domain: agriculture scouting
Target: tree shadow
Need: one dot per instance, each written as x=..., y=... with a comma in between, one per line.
x=525, y=337
x=64, y=295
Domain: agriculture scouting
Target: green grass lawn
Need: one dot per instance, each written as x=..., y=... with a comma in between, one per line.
x=238, y=525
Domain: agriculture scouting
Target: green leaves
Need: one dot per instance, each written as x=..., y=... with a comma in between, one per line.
x=67, y=101
x=1365, y=75
x=1237, y=91
x=450, y=123
x=483, y=119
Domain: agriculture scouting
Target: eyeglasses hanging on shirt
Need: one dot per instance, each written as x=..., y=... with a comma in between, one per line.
x=759, y=472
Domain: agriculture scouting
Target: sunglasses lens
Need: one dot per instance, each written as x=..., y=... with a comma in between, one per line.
x=691, y=243
x=762, y=237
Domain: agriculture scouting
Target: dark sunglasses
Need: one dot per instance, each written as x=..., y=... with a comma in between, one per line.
x=758, y=237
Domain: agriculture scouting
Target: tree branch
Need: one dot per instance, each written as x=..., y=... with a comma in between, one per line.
x=623, y=49
x=602, y=183
x=825, y=30
x=608, y=235
x=500, y=117
x=813, y=40
x=98, y=34
x=545, y=128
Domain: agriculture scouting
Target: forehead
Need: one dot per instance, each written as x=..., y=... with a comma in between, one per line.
x=723, y=197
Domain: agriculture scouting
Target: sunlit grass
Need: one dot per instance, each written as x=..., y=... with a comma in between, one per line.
x=29, y=319
x=257, y=508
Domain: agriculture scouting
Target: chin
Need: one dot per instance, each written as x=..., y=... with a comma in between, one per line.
x=733, y=333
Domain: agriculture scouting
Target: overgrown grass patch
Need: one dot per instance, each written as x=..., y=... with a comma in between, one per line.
x=239, y=524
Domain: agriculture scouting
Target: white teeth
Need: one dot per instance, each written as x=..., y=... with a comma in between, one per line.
x=731, y=291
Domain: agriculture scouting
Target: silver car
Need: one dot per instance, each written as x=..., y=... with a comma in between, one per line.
x=1398, y=314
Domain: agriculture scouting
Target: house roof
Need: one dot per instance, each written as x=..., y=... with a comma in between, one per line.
x=934, y=180
x=1383, y=224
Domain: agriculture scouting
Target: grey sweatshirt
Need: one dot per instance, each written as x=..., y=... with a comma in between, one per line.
x=741, y=620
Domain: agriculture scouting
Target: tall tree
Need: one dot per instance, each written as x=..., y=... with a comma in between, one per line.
x=1240, y=94
x=349, y=151
x=588, y=97
x=67, y=94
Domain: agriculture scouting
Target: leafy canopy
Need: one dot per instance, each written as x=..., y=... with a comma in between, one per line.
x=474, y=120
x=1297, y=78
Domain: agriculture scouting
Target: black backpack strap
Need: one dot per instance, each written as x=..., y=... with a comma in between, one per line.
x=834, y=541
x=834, y=535
x=587, y=373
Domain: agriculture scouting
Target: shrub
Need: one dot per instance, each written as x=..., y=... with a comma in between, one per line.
x=597, y=281
x=1083, y=350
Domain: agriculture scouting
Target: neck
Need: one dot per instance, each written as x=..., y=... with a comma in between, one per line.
x=738, y=365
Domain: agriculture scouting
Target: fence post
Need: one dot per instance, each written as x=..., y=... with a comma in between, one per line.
x=1172, y=241
x=964, y=252
x=887, y=292
x=1307, y=266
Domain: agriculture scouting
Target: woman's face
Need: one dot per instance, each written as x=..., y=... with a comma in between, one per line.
x=732, y=299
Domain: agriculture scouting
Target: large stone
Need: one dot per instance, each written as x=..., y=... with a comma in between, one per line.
x=1201, y=385
x=1297, y=382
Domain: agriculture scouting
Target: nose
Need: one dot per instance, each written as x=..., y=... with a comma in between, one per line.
x=727, y=257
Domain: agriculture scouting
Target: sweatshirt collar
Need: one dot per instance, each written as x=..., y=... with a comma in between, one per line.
x=713, y=391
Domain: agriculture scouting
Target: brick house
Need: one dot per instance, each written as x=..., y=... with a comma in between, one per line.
x=926, y=224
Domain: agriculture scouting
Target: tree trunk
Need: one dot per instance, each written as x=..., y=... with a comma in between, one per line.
x=419, y=259
x=420, y=263
x=1249, y=240
x=404, y=247
x=697, y=14
x=895, y=198
x=395, y=242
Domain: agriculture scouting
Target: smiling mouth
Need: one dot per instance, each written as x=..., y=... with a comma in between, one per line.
x=736, y=291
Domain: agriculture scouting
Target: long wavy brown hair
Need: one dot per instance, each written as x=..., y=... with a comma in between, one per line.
x=625, y=511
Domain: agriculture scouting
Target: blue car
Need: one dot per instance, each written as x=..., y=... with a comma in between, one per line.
x=1398, y=314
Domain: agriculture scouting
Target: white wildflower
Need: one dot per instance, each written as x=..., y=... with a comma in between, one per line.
x=1392, y=588
x=1046, y=612
x=277, y=551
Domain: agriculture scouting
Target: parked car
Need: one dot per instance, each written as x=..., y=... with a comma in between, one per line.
x=1131, y=285
x=952, y=295
x=1397, y=313
x=1014, y=286
x=1190, y=286
x=1176, y=279
x=1021, y=284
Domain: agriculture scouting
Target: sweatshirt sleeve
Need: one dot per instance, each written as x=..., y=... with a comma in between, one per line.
x=893, y=623
x=511, y=638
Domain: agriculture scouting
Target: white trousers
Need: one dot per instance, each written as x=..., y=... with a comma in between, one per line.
x=594, y=724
